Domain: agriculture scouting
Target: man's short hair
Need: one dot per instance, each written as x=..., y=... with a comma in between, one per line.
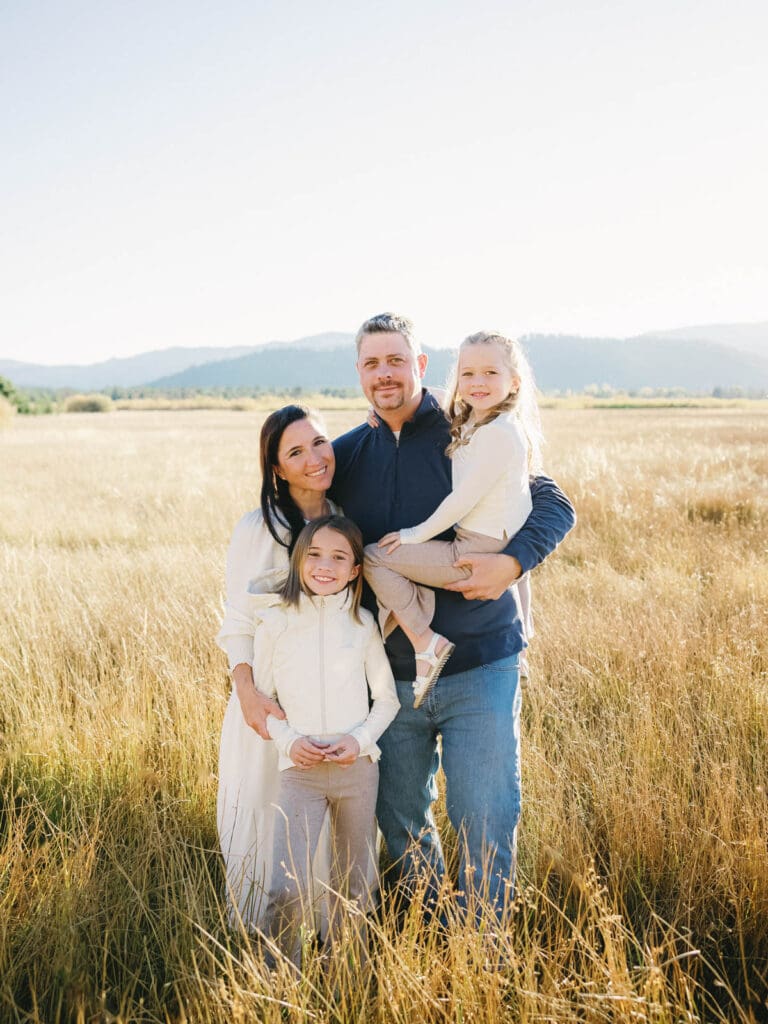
x=389, y=323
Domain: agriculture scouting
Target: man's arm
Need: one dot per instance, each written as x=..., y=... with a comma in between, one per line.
x=549, y=522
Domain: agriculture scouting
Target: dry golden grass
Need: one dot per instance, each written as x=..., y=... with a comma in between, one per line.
x=644, y=873
x=266, y=402
x=245, y=403
x=88, y=403
x=620, y=400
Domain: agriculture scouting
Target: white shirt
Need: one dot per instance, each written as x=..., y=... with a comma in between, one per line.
x=491, y=493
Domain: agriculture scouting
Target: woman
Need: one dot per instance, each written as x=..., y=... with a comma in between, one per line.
x=297, y=465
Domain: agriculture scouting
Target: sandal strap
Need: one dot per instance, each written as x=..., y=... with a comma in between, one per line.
x=429, y=654
x=435, y=661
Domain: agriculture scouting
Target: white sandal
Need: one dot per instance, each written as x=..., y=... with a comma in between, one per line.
x=423, y=685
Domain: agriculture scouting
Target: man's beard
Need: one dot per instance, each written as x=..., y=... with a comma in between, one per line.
x=394, y=400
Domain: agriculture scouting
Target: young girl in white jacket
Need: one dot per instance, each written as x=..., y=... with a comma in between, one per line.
x=321, y=655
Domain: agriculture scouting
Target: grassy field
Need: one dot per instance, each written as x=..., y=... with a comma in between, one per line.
x=643, y=889
x=260, y=403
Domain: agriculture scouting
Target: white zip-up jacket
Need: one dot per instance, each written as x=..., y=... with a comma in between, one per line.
x=321, y=665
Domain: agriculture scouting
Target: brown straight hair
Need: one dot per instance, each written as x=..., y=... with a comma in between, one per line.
x=294, y=586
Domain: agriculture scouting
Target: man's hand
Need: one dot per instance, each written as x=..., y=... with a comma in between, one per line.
x=490, y=575
x=254, y=704
x=344, y=751
x=305, y=753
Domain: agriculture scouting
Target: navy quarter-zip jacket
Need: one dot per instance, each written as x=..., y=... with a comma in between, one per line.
x=384, y=485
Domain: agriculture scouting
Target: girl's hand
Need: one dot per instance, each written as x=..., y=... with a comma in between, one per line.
x=372, y=419
x=305, y=753
x=390, y=541
x=344, y=751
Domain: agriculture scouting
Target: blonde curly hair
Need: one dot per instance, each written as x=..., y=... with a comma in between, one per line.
x=522, y=399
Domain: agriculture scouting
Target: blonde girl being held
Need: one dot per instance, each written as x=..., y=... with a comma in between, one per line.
x=495, y=446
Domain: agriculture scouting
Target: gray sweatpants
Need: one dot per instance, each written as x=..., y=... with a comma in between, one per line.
x=304, y=798
x=394, y=578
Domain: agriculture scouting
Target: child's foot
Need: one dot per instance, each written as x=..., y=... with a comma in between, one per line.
x=429, y=665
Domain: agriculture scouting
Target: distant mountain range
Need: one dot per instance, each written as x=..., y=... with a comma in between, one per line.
x=745, y=337
x=129, y=372
x=696, y=359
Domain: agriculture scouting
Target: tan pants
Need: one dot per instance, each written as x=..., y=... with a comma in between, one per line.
x=394, y=578
x=304, y=798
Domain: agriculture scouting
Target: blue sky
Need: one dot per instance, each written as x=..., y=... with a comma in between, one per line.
x=190, y=173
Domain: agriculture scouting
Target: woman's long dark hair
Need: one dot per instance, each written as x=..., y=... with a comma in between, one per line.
x=277, y=505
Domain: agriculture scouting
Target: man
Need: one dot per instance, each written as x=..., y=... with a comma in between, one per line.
x=394, y=476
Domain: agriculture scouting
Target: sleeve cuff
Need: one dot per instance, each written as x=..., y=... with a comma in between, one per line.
x=282, y=734
x=363, y=737
x=239, y=650
x=409, y=536
x=524, y=553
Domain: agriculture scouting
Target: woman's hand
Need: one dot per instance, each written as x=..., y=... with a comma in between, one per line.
x=344, y=751
x=254, y=704
x=305, y=753
x=390, y=541
x=372, y=419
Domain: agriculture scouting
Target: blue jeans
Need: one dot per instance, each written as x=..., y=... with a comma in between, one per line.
x=477, y=714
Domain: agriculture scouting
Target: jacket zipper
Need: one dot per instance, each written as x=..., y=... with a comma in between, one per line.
x=396, y=487
x=321, y=644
